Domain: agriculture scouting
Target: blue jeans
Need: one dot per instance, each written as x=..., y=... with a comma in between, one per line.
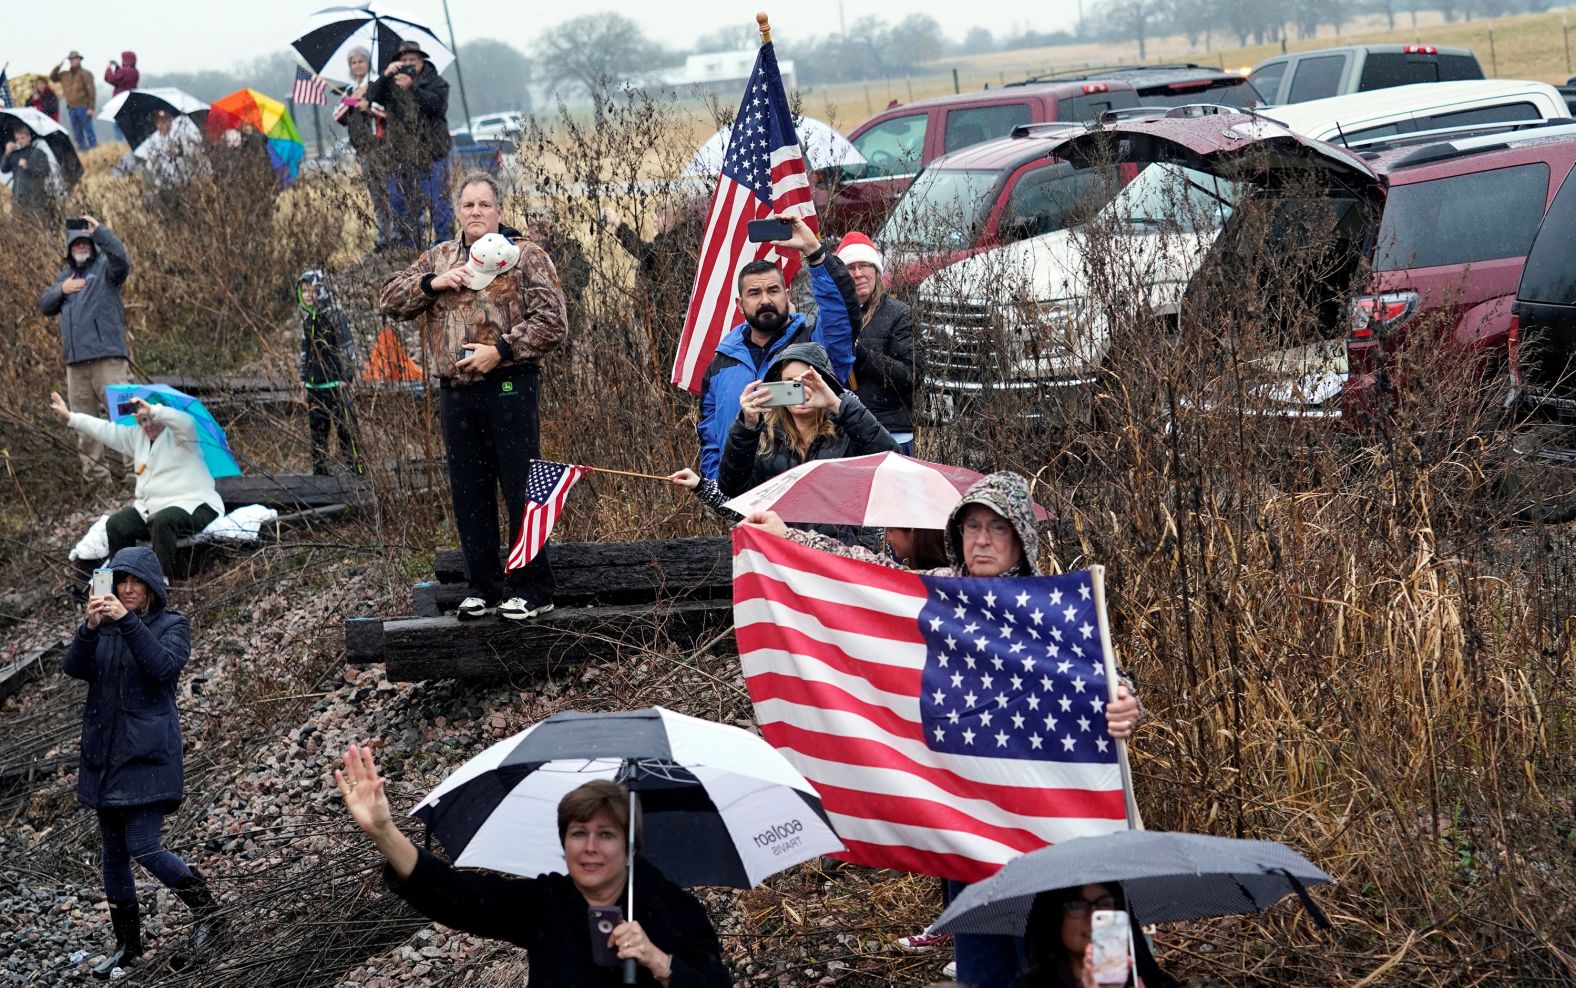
x=413, y=194
x=132, y=834
x=82, y=127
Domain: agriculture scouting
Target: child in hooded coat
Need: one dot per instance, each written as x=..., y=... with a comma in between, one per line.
x=327, y=362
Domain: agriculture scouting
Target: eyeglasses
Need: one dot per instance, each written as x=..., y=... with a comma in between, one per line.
x=995, y=528
x=1081, y=907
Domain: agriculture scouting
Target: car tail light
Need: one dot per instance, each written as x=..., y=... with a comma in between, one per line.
x=1095, y=87
x=1421, y=50
x=1201, y=84
x=1513, y=348
x=1376, y=315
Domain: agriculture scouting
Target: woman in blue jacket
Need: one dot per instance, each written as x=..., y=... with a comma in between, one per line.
x=130, y=650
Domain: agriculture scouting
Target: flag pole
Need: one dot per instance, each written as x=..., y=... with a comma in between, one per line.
x=1097, y=577
x=621, y=473
x=765, y=28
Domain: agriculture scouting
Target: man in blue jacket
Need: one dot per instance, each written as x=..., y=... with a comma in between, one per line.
x=770, y=325
x=86, y=297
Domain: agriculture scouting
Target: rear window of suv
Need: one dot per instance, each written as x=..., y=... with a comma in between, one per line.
x=1224, y=92
x=1383, y=70
x=1550, y=276
x=1083, y=109
x=1480, y=216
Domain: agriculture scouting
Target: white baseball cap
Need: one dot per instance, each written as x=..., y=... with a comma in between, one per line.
x=490, y=257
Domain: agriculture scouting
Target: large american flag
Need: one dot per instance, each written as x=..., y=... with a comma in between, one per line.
x=546, y=490
x=763, y=174
x=308, y=88
x=949, y=724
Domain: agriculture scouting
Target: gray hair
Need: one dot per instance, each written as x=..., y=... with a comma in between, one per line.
x=477, y=178
x=363, y=52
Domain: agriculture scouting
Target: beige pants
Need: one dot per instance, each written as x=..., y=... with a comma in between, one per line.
x=85, y=393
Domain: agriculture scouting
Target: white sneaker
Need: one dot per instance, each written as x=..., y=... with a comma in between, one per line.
x=520, y=609
x=472, y=607
x=951, y=970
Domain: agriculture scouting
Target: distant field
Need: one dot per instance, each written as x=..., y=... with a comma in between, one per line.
x=1527, y=46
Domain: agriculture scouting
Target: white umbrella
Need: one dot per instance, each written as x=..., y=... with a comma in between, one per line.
x=824, y=148
x=133, y=110
x=328, y=36
x=63, y=160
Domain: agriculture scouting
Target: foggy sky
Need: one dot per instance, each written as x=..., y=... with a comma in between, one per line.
x=190, y=35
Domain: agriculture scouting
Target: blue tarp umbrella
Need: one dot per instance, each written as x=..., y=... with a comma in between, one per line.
x=215, y=445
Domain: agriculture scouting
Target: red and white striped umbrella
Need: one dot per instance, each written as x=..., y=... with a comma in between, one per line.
x=880, y=490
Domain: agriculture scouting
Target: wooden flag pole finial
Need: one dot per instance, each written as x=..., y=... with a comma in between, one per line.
x=766, y=28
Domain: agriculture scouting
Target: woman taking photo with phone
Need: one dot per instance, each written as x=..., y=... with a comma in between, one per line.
x=670, y=938
x=1059, y=941
x=130, y=650
x=829, y=424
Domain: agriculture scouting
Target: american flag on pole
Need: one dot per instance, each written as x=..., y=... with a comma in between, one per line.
x=5, y=92
x=546, y=489
x=950, y=724
x=308, y=88
x=762, y=173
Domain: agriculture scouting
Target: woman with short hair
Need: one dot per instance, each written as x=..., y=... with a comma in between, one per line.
x=669, y=936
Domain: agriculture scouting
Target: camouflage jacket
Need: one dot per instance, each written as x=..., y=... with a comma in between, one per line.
x=521, y=312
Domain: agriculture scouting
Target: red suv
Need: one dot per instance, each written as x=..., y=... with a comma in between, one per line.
x=1427, y=231
x=900, y=140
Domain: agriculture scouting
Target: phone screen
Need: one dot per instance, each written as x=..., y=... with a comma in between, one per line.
x=603, y=920
x=1110, y=931
x=126, y=408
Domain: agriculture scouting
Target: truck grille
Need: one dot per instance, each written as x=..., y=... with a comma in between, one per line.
x=961, y=344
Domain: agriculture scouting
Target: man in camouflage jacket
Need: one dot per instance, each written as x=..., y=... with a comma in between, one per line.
x=488, y=399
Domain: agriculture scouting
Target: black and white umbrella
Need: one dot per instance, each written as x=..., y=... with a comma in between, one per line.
x=133, y=110
x=57, y=143
x=1165, y=876
x=328, y=36
x=720, y=805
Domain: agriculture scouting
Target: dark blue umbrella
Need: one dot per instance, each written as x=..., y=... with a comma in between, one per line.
x=1165, y=876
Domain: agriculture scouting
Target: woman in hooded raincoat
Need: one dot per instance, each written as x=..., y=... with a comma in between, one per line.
x=989, y=533
x=130, y=650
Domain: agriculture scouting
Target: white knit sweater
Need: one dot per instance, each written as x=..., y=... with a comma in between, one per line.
x=170, y=469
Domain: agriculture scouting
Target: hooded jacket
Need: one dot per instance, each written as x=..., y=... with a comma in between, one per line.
x=733, y=366
x=857, y=431
x=170, y=470
x=131, y=730
x=1007, y=494
x=126, y=77
x=327, y=345
x=417, y=118
x=92, y=322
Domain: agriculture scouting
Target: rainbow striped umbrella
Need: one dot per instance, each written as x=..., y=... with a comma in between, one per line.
x=268, y=117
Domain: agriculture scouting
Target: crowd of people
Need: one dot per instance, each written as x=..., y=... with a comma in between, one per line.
x=491, y=305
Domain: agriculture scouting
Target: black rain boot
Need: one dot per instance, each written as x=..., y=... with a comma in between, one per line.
x=207, y=924
x=126, y=921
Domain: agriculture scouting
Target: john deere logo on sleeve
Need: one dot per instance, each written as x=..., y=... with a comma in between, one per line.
x=508, y=387
x=781, y=837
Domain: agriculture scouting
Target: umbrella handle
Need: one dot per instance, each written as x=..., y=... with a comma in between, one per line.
x=1314, y=912
x=629, y=970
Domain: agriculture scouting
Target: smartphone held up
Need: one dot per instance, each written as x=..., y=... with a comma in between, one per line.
x=1110, y=931
x=767, y=231
x=784, y=394
x=103, y=582
x=603, y=920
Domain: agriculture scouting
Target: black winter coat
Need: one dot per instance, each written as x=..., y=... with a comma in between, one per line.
x=417, y=118
x=131, y=730
x=547, y=916
x=29, y=171
x=887, y=368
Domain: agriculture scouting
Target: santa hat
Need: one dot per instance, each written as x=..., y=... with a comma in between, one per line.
x=856, y=248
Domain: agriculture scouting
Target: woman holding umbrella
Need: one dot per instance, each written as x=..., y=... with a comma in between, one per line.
x=670, y=938
x=28, y=166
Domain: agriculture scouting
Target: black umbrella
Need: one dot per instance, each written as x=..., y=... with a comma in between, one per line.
x=56, y=140
x=133, y=110
x=1165, y=876
x=329, y=35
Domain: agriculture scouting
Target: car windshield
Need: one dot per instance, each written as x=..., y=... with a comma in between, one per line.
x=943, y=208
x=1171, y=194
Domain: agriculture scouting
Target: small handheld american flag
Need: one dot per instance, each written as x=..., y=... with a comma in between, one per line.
x=308, y=88
x=5, y=92
x=546, y=489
